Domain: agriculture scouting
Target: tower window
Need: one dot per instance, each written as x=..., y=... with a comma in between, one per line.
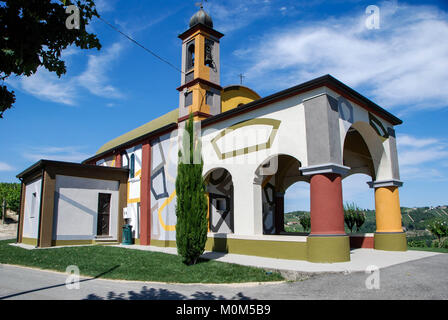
x=209, y=98
x=189, y=98
x=209, y=52
x=190, y=55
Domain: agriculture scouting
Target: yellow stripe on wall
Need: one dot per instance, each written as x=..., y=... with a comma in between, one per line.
x=162, y=223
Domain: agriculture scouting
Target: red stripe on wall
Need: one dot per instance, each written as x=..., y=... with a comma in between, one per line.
x=145, y=195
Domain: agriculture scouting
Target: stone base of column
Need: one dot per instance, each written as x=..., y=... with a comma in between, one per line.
x=390, y=241
x=328, y=249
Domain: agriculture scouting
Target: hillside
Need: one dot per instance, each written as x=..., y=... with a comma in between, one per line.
x=414, y=219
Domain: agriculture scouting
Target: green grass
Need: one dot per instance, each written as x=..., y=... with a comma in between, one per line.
x=442, y=250
x=126, y=264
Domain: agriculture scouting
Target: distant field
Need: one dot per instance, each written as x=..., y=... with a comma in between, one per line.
x=414, y=220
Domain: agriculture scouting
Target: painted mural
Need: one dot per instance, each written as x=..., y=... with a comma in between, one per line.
x=163, y=187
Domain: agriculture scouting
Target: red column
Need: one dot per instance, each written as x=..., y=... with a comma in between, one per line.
x=145, y=196
x=327, y=212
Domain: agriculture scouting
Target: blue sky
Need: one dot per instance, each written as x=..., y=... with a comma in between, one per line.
x=402, y=66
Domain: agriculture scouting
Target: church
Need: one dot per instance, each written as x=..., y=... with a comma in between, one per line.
x=253, y=149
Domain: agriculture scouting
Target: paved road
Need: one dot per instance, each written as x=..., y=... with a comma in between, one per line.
x=421, y=279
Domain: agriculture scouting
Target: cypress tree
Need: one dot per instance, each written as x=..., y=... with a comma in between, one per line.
x=191, y=205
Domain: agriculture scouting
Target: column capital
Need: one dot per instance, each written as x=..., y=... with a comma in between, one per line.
x=385, y=183
x=325, y=168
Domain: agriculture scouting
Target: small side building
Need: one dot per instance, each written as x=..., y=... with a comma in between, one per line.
x=66, y=203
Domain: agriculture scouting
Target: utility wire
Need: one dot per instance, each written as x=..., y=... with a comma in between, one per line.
x=141, y=46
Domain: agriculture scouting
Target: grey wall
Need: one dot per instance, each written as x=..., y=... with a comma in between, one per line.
x=322, y=130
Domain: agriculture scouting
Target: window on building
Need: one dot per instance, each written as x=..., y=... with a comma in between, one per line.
x=132, y=166
x=189, y=98
x=190, y=55
x=33, y=204
x=209, y=98
x=208, y=59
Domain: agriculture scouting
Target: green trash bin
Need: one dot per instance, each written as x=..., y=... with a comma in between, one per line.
x=127, y=234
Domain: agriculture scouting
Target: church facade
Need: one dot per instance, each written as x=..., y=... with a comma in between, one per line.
x=253, y=148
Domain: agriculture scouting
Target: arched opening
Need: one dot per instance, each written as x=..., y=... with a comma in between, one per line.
x=220, y=200
x=356, y=191
x=276, y=175
x=297, y=208
x=362, y=152
x=190, y=56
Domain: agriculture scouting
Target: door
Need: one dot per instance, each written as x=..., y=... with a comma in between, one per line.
x=103, y=214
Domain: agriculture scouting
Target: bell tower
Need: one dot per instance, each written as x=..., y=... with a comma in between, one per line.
x=200, y=90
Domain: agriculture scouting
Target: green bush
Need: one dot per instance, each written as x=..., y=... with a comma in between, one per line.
x=417, y=243
x=305, y=221
x=353, y=216
x=439, y=228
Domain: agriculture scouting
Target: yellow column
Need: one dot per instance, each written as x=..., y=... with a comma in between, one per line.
x=389, y=233
x=388, y=214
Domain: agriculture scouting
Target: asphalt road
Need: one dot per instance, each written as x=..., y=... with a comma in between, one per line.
x=421, y=279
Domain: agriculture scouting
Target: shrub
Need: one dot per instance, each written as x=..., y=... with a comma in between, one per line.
x=305, y=221
x=439, y=228
x=353, y=216
x=417, y=243
x=11, y=193
x=191, y=205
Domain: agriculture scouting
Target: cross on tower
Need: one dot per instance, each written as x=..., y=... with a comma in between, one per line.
x=242, y=76
x=200, y=4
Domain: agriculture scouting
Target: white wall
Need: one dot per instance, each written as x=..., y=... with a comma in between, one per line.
x=290, y=139
x=32, y=206
x=76, y=207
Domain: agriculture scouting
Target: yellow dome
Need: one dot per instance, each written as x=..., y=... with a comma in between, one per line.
x=235, y=96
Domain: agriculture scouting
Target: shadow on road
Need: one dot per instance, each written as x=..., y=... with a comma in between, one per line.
x=163, y=294
x=58, y=285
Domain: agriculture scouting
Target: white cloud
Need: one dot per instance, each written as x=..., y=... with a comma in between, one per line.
x=105, y=5
x=67, y=153
x=6, y=167
x=236, y=14
x=94, y=78
x=421, y=157
x=47, y=86
x=404, y=63
x=66, y=90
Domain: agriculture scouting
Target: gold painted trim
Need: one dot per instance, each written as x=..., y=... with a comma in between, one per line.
x=290, y=250
x=163, y=243
x=29, y=241
x=262, y=146
x=159, y=211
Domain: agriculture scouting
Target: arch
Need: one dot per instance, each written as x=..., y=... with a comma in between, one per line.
x=219, y=187
x=274, y=175
x=363, y=151
x=293, y=210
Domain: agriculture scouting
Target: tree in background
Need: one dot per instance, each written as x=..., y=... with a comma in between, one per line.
x=353, y=216
x=439, y=228
x=305, y=221
x=11, y=193
x=33, y=34
x=360, y=218
x=191, y=206
x=349, y=215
